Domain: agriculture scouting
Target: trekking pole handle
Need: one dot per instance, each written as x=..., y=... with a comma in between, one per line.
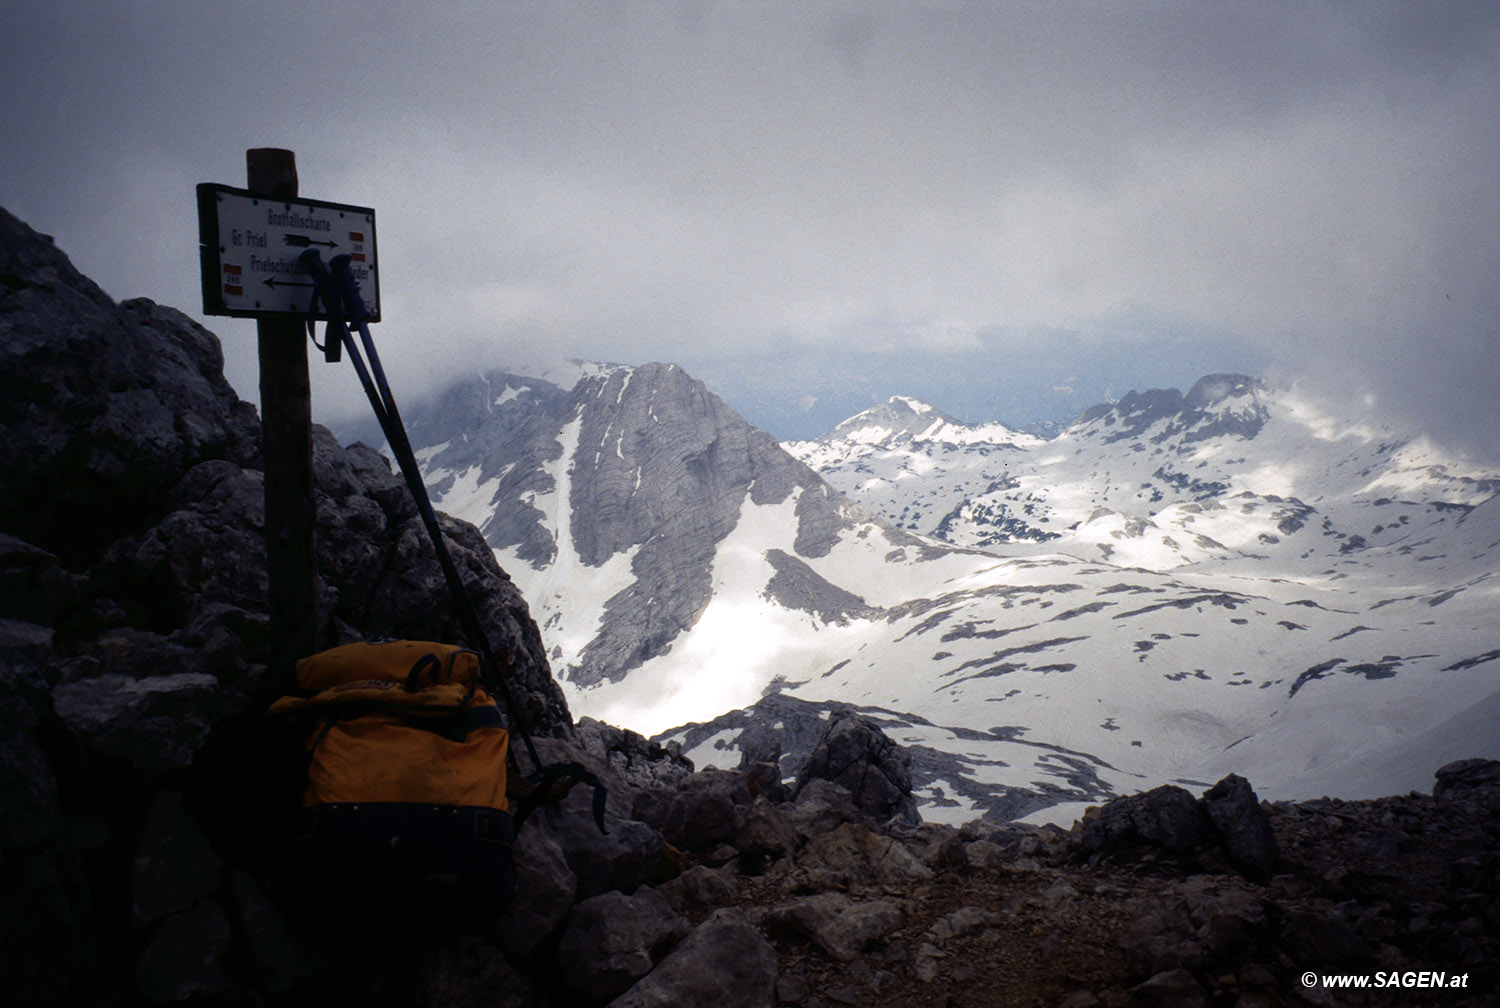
x=326, y=290
x=354, y=304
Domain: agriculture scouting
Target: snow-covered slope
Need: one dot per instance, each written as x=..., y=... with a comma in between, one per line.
x=1177, y=587
x=1231, y=471
x=912, y=464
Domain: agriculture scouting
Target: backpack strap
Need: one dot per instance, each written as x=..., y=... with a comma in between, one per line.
x=552, y=783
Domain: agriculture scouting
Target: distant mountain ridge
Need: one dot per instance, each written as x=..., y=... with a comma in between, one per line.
x=1233, y=469
x=1175, y=586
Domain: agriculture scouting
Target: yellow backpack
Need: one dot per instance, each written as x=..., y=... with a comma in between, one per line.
x=403, y=722
x=406, y=777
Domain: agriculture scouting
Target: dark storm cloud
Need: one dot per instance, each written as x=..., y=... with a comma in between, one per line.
x=897, y=188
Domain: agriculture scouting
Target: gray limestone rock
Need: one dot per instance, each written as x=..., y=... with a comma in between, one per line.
x=854, y=855
x=836, y=923
x=856, y=753
x=1467, y=773
x=546, y=889
x=612, y=940
x=706, y=810
x=1166, y=819
x=725, y=962
x=765, y=832
x=702, y=888
x=821, y=806
x=174, y=864
x=185, y=956
x=1243, y=826
x=1173, y=989
x=133, y=625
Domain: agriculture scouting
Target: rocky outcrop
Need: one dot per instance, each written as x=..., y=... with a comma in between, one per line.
x=133, y=631
x=855, y=753
x=1227, y=826
x=1461, y=775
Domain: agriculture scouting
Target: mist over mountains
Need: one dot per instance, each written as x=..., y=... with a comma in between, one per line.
x=1177, y=586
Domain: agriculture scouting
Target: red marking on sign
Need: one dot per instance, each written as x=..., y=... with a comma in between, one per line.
x=357, y=256
x=357, y=236
x=232, y=279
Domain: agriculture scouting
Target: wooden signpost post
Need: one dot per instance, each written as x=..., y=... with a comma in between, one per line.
x=250, y=243
x=286, y=447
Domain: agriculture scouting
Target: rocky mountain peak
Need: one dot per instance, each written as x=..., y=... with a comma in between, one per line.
x=1217, y=405
x=898, y=418
x=1211, y=390
x=629, y=480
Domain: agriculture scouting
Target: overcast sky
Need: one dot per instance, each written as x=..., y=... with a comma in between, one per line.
x=1012, y=209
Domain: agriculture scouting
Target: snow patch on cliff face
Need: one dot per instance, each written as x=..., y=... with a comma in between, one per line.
x=469, y=492
x=742, y=642
x=567, y=596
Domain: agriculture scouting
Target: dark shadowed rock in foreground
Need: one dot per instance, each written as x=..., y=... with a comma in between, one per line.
x=133, y=624
x=725, y=962
x=1226, y=826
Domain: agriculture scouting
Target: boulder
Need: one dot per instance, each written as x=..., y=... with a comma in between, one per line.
x=765, y=833
x=857, y=754
x=855, y=855
x=638, y=761
x=701, y=888
x=33, y=582
x=49, y=951
x=283, y=961
x=725, y=962
x=546, y=889
x=1173, y=989
x=175, y=866
x=1467, y=773
x=185, y=955
x=612, y=940
x=1165, y=820
x=1243, y=827
x=629, y=856
x=155, y=724
x=821, y=806
x=705, y=810
x=836, y=923
x=963, y=921
x=470, y=974
x=1167, y=823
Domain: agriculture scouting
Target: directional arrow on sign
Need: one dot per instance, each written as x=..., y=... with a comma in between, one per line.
x=302, y=241
x=273, y=283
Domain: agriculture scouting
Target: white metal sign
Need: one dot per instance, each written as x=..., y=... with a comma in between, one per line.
x=251, y=245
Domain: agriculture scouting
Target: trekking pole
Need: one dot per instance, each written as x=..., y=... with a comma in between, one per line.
x=336, y=286
x=379, y=393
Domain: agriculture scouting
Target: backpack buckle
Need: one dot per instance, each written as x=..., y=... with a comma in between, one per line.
x=493, y=826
